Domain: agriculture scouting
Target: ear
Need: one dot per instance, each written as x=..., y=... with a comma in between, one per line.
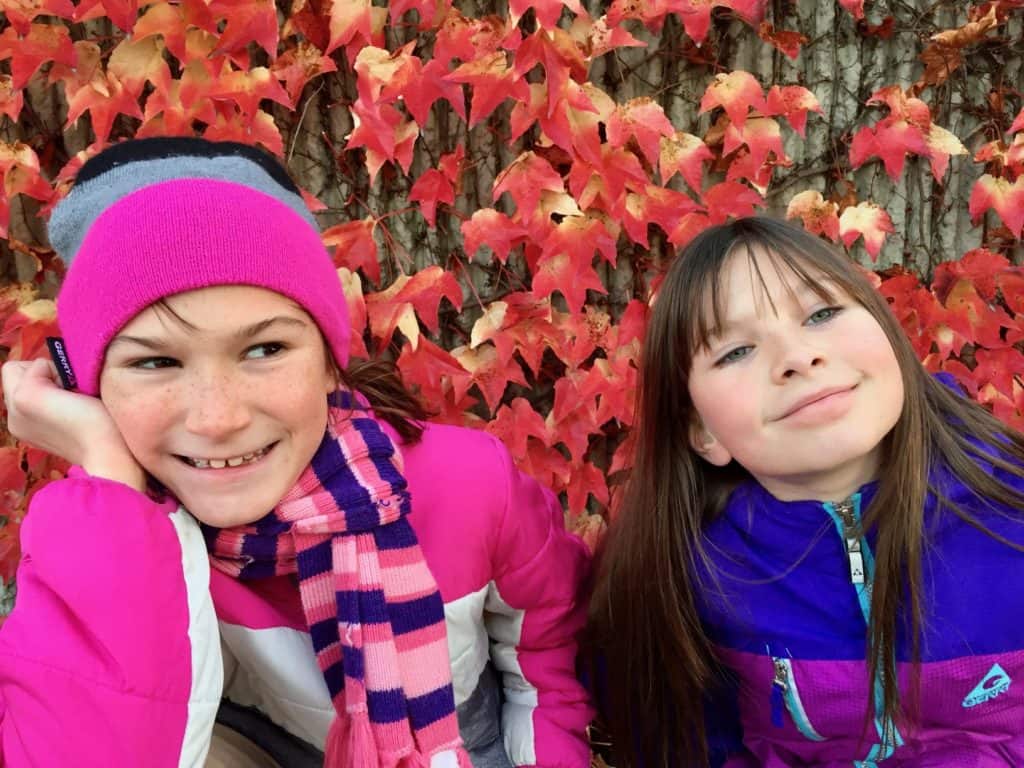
x=706, y=446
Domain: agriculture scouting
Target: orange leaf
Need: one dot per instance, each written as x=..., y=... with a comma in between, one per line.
x=300, y=64
x=493, y=81
x=792, y=102
x=136, y=62
x=351, y=24
x=820, y=217
x=248, y=88
x=21, y=13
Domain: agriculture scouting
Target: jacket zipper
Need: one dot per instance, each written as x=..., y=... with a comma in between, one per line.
x=858, y=556
x=785, y=694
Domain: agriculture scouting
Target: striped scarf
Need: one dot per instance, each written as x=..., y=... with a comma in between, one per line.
x=375, y=615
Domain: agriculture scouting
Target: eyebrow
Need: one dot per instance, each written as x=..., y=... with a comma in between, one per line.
x=241, y=334
x=805, y=289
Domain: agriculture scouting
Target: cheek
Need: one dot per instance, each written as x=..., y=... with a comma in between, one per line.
x=140, y=418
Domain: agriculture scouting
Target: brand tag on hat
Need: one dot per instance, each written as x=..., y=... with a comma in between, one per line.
x=59, y=355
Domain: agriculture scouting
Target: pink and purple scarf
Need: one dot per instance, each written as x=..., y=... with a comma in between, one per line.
x=375, y=615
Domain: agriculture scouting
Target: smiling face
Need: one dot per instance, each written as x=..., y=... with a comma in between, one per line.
x=799, y=386
x=221, y=395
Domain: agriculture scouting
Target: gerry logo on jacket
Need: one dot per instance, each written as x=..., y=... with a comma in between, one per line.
x=995, y=683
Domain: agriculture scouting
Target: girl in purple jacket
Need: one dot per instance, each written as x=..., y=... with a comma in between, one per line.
x=393, y=593
x=820, y=553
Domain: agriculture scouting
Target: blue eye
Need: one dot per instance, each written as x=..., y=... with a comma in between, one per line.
x=735, y=355
x=260, y=351
x=823, y=315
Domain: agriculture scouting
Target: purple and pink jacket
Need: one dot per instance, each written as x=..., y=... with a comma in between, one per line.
x=123, y=641
x=788, y=616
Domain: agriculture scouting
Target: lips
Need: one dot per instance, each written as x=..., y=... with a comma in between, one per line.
x=813, y=398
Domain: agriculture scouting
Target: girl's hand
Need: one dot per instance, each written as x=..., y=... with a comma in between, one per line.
x=75, y=427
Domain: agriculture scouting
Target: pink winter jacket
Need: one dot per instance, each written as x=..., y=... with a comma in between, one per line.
x=122, y=640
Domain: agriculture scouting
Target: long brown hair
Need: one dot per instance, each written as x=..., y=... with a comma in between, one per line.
x=644, y=616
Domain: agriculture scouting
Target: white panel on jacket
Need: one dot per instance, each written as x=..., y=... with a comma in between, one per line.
x=204, y=640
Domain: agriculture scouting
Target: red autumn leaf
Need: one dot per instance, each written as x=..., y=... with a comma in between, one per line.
x=43, y=43
x=1004, y=198
x=468, y=39
x=560, y=57
x=25, y=331
x=172, y=112
x=11, y=98
x=260, y=129
x=569, y=275
x=299, y=65
x=438, y=379
x=689, y=226
x=985, y=320
x=547, y=12
x=573, y=417
x=432, y=85
x=737, y=93
x=792, y=102
x=1018, y=122
x=514, y=424
x=248, y=21
x=355, y=302
x=351, y=24
x=524, y=180
x=655, y=205
x=867, y=220
x=430, y=189
x=248, y=88
x=581, y=236
x=761, y=136
x=999, y=367
x=612, y=382
x=942, y=144
x=492, y=80
x=354, y=246
x=730, y=198
x=451, y=166
x=489, y=372
x=855, y=7
x=137, y=62
x=787, y=41
x=644, y=120
x=586, y=480
x=384, y=133
x=981, y=266
x=104, y=99
x=21, y=13
x=581, y=334
x=548, y=467
x=596, y=37
x=521, y=323
x=819, y=216
x=421, y=292
x=685, y=154
x=495, y=230
x=122, y=12
x=310, y=20
x=603, y=185
x=383, y=75
x=891, y=141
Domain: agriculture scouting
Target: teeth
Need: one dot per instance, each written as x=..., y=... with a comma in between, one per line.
x=234, y=461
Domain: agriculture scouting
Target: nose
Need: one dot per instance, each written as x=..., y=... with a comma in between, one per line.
x=796, y=356
x=216, y=405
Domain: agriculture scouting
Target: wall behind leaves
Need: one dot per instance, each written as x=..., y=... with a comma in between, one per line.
x=501, y=184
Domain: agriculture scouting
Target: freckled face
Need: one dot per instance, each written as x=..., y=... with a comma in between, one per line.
x=222, y=398
x=801, y=395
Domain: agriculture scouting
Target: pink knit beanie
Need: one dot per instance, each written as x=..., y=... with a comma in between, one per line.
x=154, y=217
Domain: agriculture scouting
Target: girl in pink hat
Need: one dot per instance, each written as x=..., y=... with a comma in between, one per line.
x=251, y=518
